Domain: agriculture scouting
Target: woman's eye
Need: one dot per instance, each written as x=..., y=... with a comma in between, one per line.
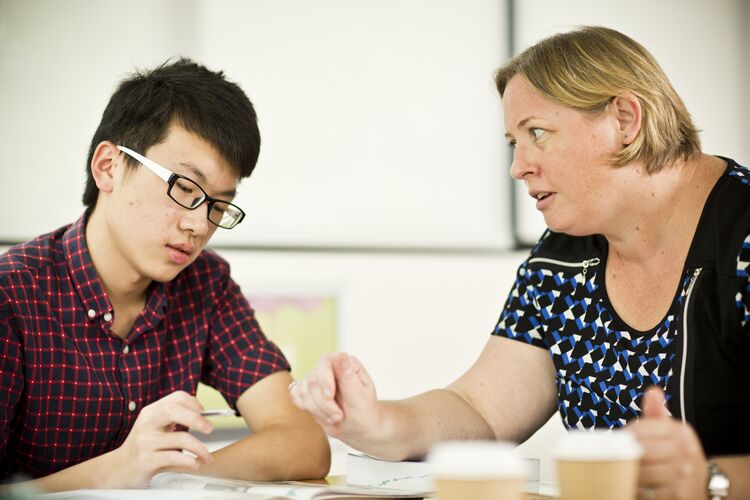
x=536, y=132
x=512, y=144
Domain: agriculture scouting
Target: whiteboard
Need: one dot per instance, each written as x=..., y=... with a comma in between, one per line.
x=380, y=123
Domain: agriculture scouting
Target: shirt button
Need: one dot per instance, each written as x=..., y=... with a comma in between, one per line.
x=107, y=317
x=131, y=406
x=126, y=349
x=91, y=313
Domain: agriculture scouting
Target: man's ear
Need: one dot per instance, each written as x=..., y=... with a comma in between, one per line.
x=626, y=108
x=103, y=164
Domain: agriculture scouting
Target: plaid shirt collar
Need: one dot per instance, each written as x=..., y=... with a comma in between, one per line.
x=89, y=286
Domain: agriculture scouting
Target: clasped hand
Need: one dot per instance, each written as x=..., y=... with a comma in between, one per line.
x=341, y=397
x=673, y=465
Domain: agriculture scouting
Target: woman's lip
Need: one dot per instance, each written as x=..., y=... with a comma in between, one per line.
x=545, y=202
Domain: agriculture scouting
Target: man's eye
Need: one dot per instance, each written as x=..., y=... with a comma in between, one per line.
x=185, y=187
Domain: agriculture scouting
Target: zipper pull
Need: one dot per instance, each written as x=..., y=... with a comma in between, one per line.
x=590, y=262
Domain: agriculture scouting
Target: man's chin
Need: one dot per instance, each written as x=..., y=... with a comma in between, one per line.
x=166, y=275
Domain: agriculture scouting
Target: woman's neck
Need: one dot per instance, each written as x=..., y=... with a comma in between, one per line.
x=662, y=214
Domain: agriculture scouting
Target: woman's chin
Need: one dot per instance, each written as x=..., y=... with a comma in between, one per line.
x=569, y=227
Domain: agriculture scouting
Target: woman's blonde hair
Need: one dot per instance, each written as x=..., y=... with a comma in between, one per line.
x=585, y=68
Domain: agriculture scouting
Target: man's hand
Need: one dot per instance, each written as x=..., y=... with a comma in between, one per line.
x=341, y=396
x=153, y=444
x=673, y=465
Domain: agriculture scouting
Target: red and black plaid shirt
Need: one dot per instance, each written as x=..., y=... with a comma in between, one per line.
x=70, y=389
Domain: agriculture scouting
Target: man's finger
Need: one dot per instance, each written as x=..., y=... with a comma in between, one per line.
x=186, y=442
x=164, y=415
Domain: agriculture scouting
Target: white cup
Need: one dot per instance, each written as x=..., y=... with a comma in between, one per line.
x=598, y=465
x=479, y=470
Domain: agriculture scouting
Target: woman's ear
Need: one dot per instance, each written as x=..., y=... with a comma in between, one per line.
x=103, y=164
x=628, y=113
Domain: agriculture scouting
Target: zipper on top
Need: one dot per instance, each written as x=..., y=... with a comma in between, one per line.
x=693, y=279
x=585, y=264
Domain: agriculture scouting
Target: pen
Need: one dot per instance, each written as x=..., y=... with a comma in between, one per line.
x=219, y=412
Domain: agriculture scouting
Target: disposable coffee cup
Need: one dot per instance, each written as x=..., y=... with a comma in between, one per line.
x=598, y=465
x=479, y=470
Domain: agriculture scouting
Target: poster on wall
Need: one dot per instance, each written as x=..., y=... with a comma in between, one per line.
x=304, y=328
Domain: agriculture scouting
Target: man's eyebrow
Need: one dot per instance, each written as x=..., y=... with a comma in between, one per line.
x=198, y=172
x=231, y=193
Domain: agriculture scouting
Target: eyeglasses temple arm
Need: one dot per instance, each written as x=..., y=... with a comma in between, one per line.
x=152, y=165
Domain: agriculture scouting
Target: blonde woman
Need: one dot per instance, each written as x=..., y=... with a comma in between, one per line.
x=641, y=281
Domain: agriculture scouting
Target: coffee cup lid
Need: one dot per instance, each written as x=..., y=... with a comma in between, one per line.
x=598, y=444
x=476, y=459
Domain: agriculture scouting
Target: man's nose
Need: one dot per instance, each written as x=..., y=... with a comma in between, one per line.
x=196, y=220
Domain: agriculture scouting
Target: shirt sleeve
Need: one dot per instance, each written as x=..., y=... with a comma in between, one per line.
x=743, y=280
x=239, y=354
x=520, y=318
x=11, y=375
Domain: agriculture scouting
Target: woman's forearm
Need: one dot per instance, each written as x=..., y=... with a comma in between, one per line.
x=411, y=426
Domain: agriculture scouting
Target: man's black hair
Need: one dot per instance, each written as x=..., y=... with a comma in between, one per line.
x=204, y=102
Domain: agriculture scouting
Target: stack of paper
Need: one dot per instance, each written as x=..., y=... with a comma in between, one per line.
x=366, y=470
x=275, y=490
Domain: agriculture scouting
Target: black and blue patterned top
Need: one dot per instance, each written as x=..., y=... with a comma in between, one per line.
x=603, y=366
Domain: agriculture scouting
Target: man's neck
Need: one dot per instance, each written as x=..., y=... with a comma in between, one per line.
x=123, y=284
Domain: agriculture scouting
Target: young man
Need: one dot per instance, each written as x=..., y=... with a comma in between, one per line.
x=107, y=325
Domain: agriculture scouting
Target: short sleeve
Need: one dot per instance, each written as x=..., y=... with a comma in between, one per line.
x=11, y=375
x=520, y=318
x=239, y=354
x=743, y=281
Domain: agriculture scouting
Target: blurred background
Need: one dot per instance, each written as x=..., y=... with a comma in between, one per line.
x=381, y=217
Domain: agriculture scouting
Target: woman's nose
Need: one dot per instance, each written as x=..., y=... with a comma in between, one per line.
x=522, y=165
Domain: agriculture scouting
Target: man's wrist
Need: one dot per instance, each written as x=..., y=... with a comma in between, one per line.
x=94, y=473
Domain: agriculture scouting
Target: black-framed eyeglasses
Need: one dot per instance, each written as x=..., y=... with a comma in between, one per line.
x=189, y=194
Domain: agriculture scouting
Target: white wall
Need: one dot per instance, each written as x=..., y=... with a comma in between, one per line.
x=416, y=321
x=59, y=63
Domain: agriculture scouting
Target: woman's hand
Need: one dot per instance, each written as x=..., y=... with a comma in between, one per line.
x=341, y=396
x=673, y=465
